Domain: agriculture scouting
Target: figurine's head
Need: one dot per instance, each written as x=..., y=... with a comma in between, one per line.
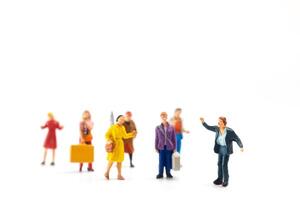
x=222, y=122
x=164, y=117
x=50, y=116
x=177, y=112
x=120, y=119
x=128, y=116
x=86, y=115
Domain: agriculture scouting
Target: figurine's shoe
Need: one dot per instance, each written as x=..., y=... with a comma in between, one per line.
x=52, y=163
x=218, y=182
x=225, y=184
x=43, y=163
x=159, y=176
x=169, y=176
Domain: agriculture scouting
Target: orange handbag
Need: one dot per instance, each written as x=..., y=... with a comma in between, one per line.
x=88, y=138
x=109, y=146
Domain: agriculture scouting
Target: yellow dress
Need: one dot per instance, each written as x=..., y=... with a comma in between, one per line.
x=117, y=133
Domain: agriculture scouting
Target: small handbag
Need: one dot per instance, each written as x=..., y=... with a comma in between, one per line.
x=109, y=146
x=88, y=137
x=176, y=161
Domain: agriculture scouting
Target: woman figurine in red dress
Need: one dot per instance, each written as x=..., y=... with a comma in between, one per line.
x=50, y=141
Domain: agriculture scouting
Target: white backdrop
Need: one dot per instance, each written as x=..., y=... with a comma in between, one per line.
x=233, y=58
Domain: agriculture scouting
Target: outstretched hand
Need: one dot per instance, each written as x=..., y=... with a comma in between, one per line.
x=134, y=133
x=202, y=119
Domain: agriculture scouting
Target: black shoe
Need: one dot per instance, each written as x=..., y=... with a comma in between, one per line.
x=90, y=169
x=159, y=176
x=131, y=165
x=43, y=163
x=225, y=184
x=218, y=182
x=169, y=176
x=52, y=163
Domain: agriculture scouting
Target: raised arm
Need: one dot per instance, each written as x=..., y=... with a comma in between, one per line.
x=211, y=128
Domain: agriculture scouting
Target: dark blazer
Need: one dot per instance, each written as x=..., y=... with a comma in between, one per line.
x=230, y=136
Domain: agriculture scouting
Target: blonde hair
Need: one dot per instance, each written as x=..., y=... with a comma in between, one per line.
x=50, y=115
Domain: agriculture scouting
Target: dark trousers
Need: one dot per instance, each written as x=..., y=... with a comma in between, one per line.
x=165, y=160
x=223, y=164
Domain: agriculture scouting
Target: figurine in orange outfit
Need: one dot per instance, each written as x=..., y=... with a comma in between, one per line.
x=50, y=141
x=179, y=129
x=86, y=126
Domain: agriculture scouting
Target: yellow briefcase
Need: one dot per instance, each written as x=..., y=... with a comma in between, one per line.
x=82, y=153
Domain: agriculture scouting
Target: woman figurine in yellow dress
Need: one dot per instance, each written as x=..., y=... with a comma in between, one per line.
x=116, y=133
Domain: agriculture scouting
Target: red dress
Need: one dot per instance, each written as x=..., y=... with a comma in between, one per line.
x=50, y=141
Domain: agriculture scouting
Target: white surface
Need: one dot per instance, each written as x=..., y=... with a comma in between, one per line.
x=232, y=58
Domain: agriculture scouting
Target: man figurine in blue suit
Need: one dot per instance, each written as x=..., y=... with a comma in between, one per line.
x=223, y=147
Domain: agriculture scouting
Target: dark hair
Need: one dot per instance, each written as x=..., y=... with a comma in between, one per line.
x=178, y=109
x=223, y=119
x=118, y=117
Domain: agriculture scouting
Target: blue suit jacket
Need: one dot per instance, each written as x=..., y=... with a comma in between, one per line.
x=230, y=137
